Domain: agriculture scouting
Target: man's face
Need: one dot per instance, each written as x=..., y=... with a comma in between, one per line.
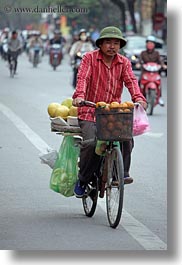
x=14, y=35
x=56, y=36
x=110, y=46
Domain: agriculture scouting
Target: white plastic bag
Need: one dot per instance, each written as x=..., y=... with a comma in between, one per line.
x=140, y=121
x=49, y=158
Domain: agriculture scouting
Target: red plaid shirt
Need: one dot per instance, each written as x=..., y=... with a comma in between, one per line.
x=98, y=82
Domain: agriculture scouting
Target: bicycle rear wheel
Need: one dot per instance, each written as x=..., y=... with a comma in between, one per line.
x=89, y=200
x=114, y=187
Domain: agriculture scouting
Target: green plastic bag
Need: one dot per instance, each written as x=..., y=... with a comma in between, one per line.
x=65, y=171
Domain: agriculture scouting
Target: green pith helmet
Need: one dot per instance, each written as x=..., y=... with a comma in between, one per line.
x=111, y=32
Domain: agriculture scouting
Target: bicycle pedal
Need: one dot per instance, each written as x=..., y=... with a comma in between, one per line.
x=115, y=183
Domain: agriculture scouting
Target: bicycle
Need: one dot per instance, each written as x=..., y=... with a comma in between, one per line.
x=109, y=179
x=12, y=63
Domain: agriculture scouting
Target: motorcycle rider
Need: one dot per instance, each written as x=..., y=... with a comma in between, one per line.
x=14, y=48
x=35, y=41
x=57, y=39
x=101, y=77
x=151, y=55
x=3, y=40
x=82, y=45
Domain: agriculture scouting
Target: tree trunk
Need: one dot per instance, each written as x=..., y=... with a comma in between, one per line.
x=121, y=6
x=132, y=13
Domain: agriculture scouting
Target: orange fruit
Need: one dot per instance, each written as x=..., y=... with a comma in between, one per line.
x=114, y=104
x=100, y=104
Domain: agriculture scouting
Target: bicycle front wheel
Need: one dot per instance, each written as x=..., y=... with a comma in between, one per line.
x=114, y=187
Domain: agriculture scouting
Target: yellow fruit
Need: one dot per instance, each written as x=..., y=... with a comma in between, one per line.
x=123, y=105
x=130, y=104
x=127, y=110
x=100, y=104
x=67, y=102
x=73, y=111
x=52, y=107
x=114, y=104
x=62, y=111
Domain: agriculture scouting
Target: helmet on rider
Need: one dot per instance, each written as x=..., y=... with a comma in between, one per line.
x=151, y=39
x=6, y=30
x=150, y=43
x=82, y=31
x=83, y=34
x=57, y=32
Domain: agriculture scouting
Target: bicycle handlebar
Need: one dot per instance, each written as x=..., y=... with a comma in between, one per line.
x=87, y=103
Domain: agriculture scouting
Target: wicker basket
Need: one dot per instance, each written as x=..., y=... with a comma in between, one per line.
x=115, y=124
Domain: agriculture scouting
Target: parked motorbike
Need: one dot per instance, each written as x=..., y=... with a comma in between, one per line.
x=75, y=65
x=150, y=85
x=55, y=55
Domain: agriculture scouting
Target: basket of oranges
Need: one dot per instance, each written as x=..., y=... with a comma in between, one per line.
x=114, y=121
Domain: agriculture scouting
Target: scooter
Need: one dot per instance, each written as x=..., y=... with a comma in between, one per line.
x=36, y=55
x=55, y=55
x=150, y=85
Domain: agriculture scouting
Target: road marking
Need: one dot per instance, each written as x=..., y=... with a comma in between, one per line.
x=35, y=139
x=145, y=237
x=154, y=135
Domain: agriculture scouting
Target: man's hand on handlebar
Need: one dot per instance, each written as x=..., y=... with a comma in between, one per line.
x=143, y=104
x=80, y=102
x=77, y=101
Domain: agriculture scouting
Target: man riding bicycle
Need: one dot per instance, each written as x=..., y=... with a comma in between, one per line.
x=101, y=77
x=14, y=48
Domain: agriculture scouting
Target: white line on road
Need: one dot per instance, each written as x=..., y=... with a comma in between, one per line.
x=34, y=138
x=145, y=237
x=154, y=135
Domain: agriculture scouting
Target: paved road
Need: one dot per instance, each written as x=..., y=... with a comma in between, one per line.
x=33, y=217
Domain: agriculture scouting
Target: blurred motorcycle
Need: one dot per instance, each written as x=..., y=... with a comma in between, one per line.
x=55, y=55
x=36, y=55
x=150, y=84
x=75, y=65
x=5, y=49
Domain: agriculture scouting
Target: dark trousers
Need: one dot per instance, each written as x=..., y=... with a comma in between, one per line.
x=15, y=56
x=89, y=160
